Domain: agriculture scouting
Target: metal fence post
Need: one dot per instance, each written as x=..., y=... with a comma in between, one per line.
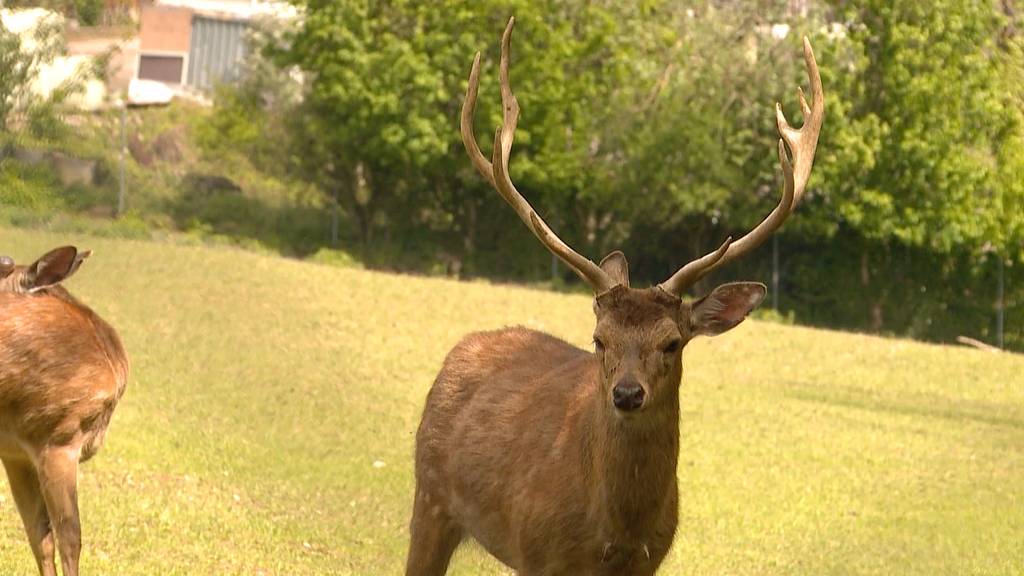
x=1000, y=303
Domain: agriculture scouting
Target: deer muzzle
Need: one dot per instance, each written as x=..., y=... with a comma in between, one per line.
x=628, y=396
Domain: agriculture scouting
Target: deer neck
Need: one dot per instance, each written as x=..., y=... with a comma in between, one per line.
x=633, y=461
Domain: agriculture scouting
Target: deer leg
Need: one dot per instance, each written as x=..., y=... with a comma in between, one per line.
x=28, y=497
x=58, y=472
x=435, y=536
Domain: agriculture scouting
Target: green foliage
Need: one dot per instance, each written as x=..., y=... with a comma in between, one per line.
x=236, y=127
x=254, y=116
x=46, y=122
x=257, y=212
x=931, y=81
x=386, y=84
x=338, y=258
x=16, y=69
x=87, y=12
x=32, y=188
x=19, y=67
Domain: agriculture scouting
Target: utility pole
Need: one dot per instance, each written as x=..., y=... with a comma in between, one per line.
x=122, y=187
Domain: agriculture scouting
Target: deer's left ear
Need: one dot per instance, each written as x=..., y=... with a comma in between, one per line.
x=725, y=307
x=54, y=267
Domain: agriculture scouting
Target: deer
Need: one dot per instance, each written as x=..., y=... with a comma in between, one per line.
x=62, y=371
x=560, y=460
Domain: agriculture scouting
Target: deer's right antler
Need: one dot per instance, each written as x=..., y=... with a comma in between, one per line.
x=496, y=172
x=802, y=143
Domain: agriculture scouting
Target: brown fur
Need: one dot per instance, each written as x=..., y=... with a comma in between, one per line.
x=62, y=371
x=521, y=448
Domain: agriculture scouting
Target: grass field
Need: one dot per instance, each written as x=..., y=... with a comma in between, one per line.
x=268, y=428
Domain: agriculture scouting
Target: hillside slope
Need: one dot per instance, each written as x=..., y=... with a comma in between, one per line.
x=268, y=428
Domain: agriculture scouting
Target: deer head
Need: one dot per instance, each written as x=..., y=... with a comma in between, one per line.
x=640, y=333
x=49, y=270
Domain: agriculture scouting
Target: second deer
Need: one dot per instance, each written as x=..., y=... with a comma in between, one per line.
x=556, y=459
x=62, y=371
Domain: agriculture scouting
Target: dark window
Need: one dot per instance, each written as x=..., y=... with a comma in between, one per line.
x=166, y=69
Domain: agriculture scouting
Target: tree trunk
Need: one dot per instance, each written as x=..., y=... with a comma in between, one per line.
x=469, y=228
x=335, y=217
x=362, y=196
x=876, y=317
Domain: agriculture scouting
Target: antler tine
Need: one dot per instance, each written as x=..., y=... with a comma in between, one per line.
x=496, y=171
x=482, y=165
x=802, y=143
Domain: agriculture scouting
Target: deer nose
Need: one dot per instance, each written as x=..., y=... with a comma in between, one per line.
x=627, y=396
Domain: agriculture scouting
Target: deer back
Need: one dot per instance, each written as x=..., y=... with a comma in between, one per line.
x=62, y=370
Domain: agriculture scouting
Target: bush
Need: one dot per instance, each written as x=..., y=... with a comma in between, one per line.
x=338, y=258
x=33, y=188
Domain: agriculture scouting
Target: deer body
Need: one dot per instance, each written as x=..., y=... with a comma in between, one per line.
x=68, y=397
x=62, y=371
x=562, y=461
x=566, y=492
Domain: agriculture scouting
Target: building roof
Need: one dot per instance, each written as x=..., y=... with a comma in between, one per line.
x=234, y=9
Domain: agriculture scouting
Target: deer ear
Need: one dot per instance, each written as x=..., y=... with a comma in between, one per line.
x=725, y=307
x=6, y=266
x=79, y=258
x=615, y=265
x=54, y=267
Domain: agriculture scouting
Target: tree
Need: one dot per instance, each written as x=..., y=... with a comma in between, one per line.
x=386, y=85
x=927, y=78
x=19, y=66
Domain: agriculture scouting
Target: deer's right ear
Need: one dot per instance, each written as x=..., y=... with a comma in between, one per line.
x=725, y=307
x=615, y=265
x=54, y=267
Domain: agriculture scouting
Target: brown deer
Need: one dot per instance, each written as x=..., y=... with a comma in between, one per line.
x=62, y=371
x=555, y=459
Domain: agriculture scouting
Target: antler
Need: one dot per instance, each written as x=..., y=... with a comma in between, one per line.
x=802, y=143
x=496, y=172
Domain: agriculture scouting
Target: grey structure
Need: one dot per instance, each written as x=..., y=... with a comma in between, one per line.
x=216, y=51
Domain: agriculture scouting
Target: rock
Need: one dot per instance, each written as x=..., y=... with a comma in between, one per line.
x=139, y=150
x=205, y=185
x=71, y=170
x=29, y=156
x=167, y=147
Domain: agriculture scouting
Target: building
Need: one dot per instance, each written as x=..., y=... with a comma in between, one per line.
x=197, y=44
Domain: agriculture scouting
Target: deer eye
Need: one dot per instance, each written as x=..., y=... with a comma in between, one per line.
x=598, y=344
x=673, y=346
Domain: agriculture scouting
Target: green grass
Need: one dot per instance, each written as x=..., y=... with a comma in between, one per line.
x=263, y=390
